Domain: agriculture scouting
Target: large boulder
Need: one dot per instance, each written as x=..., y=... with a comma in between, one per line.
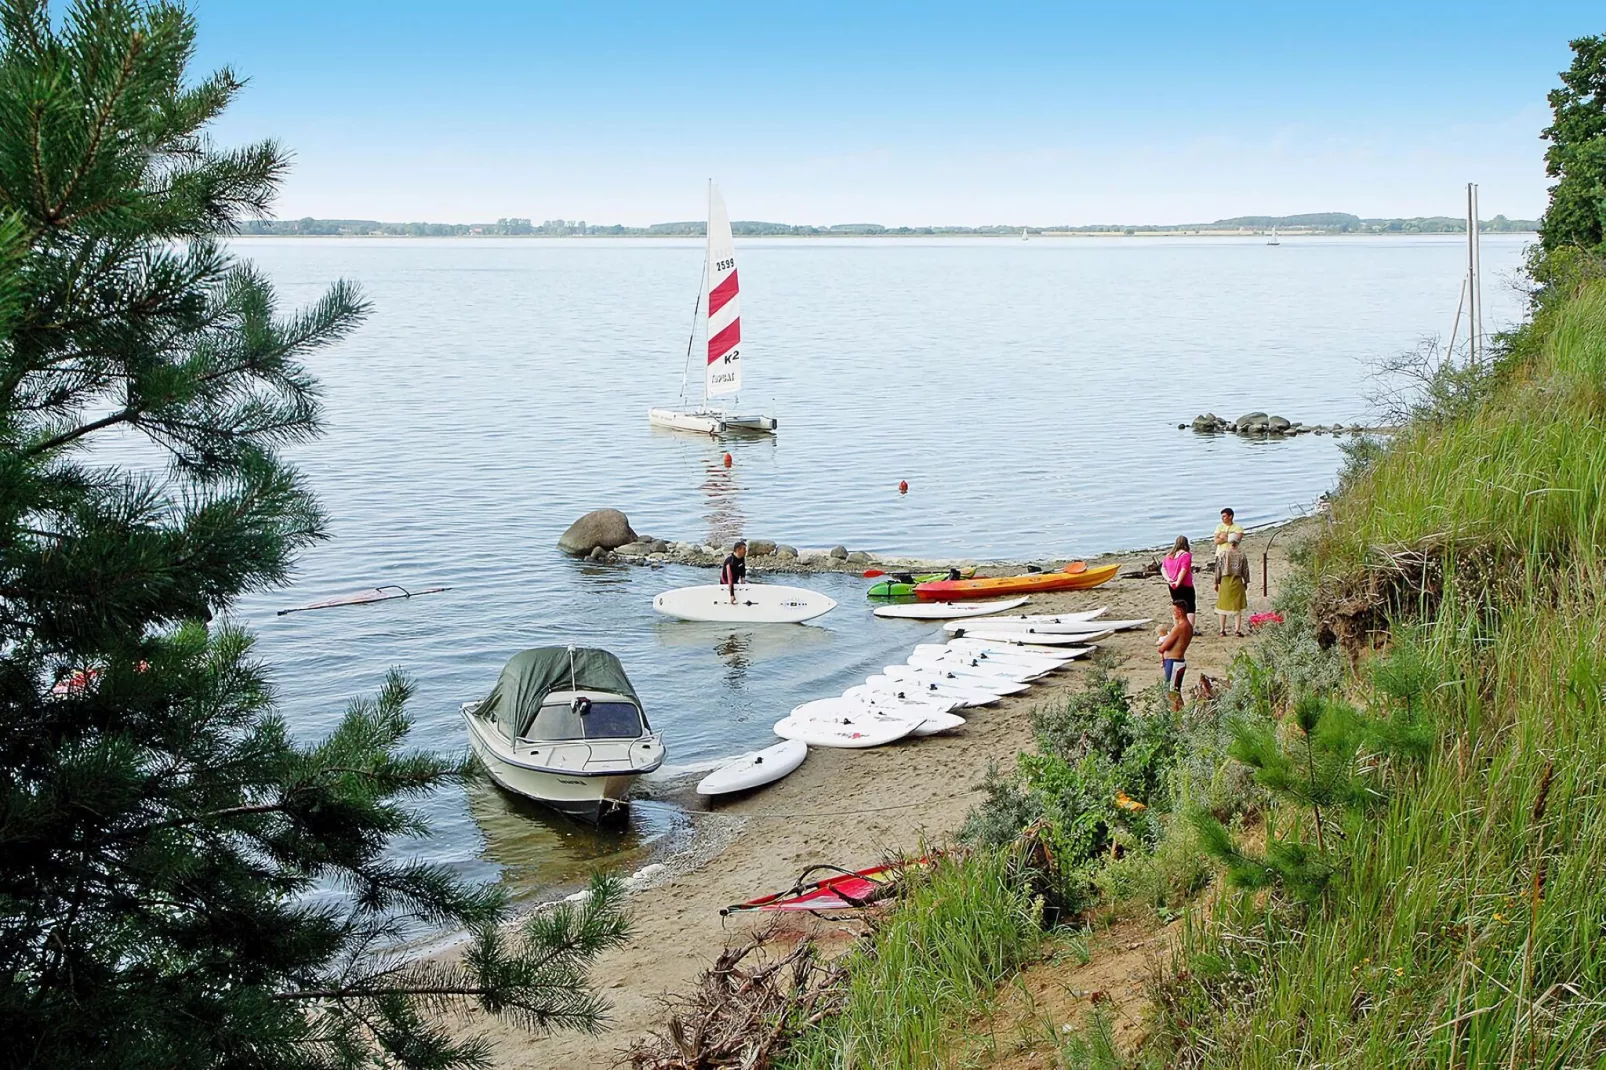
x=760, y=547
x=605, y=528
x=1278, y=425
x=1249, y=419
x=839, y=552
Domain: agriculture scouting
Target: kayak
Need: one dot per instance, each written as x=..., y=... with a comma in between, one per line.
x=902, y=584
x=843, y=890
x=1032, y=582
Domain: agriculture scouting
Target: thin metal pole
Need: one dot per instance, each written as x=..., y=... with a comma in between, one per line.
x=1455, y=328
x=1472, y=276
x=1477, y=273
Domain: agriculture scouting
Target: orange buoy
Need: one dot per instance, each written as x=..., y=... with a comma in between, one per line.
x=903, y=486
x=727, y=460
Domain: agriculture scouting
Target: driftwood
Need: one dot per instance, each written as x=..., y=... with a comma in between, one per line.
x=744, y=1010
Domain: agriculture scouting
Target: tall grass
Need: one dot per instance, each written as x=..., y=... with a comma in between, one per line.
x=1468, y=926
x=936, y=961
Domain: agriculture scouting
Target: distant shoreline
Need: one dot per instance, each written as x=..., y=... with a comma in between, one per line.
x=1034, y=235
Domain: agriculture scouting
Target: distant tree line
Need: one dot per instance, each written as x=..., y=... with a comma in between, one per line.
x=1314, y=222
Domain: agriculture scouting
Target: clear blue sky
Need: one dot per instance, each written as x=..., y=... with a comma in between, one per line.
x=464, y=110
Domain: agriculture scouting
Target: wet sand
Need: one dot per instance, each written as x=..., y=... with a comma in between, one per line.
x=852, y=808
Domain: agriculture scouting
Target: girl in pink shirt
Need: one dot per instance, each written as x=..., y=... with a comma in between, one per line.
x=1177, y=568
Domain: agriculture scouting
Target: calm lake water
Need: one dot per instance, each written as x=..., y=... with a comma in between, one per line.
x=1028, y=391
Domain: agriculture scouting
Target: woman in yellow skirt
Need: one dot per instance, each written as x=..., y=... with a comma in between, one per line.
x=1232, y=585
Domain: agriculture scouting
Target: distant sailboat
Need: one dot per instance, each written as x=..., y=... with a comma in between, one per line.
x=1274, y=240
x=1022, y=233
x=723, y=369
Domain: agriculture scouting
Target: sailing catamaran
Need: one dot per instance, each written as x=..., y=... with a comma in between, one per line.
x=723, y=371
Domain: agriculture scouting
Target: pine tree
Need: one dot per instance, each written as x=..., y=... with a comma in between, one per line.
x=159, y=827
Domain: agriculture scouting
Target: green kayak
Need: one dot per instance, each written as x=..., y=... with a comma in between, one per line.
x=902, y=584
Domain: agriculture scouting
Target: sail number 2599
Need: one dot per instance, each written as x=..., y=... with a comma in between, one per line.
x=724, y=265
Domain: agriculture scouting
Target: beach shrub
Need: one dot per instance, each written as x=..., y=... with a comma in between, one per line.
x=935, y=961
x=1095, y=787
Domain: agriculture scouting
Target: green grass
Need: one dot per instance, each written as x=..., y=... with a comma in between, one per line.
x=933, y=964
x=1468, y=924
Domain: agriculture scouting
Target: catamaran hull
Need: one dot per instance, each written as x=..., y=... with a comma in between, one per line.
x=700, y=422
x=759, y=425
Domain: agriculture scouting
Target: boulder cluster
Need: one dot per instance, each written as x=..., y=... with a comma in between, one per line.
x=606, y=535
x=1260, y=423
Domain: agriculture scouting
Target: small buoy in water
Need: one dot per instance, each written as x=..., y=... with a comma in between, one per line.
x=903, y=486
x=727, y=460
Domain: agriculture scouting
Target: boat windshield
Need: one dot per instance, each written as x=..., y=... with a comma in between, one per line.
x=601, y=720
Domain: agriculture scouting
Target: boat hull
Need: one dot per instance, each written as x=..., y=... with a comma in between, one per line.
x=757, y=425
x=587, y=796
x=705, y=423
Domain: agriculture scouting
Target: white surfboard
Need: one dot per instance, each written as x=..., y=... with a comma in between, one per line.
x=853, y=736
x=1029, y=648
x=756, y=603
x=1068, y=618
x=1044, y=627
x=947, y=610
x=949, y=680
x=1002, y=654
x=755, y=770
x=1018, y=635
x=964, y=696
x=927, y=722
x=923, y=704
x=957, y=662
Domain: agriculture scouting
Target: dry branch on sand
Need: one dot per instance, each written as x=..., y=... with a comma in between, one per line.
x=744, y=1009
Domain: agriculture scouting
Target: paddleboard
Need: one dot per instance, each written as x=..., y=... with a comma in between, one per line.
x=964, y=696
x=921, y=704
x=1003, y=654
x=1013, y=647
x=998, y=686
x=868, y=732
x=1044, y=627
x=1016, y=635
x=756, y=603
x=755, y=770
x=927, y=722
x=948, y=610
x=958, y=662
x=1084, y=615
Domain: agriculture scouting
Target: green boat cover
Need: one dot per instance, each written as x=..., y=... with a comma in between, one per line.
x=529, y=677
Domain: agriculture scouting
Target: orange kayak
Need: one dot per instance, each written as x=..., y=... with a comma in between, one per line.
x=946, y=590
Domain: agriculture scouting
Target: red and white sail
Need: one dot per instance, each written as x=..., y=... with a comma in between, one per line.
x=724, y=302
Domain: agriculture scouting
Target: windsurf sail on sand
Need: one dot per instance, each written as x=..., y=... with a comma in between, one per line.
x=375, y=594
x=724, y=303
x=843, y=890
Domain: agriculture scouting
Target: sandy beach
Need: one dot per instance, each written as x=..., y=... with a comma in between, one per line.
x=852, y=808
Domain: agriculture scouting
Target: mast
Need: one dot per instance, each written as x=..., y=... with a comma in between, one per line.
x=1474, y=290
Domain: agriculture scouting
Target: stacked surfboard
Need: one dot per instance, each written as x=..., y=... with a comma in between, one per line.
x=984, y=660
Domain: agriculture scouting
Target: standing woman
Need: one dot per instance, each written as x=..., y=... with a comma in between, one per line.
x=1177, y=568
x=1232, y=585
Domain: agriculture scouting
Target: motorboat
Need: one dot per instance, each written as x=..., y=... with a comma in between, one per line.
x=564, y=726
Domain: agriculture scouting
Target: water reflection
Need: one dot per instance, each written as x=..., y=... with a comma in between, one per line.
x=722, y=510
x=537, y=848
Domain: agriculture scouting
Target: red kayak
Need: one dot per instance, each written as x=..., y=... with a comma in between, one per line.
x=846, y=890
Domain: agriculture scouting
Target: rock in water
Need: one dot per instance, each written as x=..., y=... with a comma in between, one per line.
x=605, y=528
x=1277, y=423
x=839, y=552
x=760, y=547
x=859, y=557
x=1251, y=418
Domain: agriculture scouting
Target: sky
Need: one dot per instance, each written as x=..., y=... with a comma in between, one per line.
x=893, y=113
